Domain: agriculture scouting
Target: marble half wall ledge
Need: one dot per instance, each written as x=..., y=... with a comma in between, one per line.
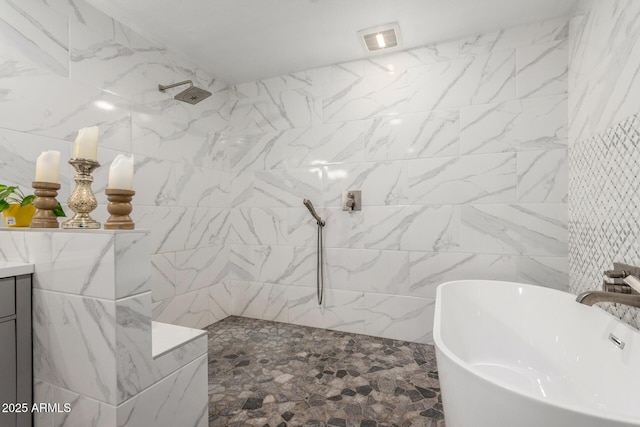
x=95, y=263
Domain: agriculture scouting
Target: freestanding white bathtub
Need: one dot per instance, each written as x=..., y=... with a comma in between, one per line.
x=515, y=355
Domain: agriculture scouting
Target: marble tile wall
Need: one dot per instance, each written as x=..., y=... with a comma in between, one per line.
x=604, y=76
x=67, y=65
x=460, y=150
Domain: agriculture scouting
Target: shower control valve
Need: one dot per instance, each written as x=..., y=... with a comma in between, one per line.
x=352, y=200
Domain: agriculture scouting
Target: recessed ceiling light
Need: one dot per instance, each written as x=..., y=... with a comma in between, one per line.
x=381, y=39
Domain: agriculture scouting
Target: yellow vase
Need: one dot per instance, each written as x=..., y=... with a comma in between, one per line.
x=16, y=216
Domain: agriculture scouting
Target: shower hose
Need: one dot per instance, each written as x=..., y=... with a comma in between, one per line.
x=319, y=270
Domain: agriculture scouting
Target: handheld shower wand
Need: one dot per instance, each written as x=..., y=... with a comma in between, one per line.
x=319, y=274
x=313, y=212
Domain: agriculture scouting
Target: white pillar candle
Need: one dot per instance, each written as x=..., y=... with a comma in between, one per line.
x=86, y=146
x=121, y=173
x=48, y=167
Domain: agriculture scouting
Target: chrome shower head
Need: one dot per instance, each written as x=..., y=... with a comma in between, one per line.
x=191, y=95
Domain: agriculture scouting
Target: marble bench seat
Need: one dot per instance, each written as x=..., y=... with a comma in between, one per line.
x=166, y=338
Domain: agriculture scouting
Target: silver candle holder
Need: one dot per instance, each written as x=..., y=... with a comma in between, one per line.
x=82, y=201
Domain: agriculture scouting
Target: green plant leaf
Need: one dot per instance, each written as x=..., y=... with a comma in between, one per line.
x=27, y=200
x=3, y=205
x=58, y=211
x=2, y=187
x=7, y=192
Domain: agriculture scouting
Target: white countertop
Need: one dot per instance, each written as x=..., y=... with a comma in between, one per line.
x=10, y=269
x=165, y=337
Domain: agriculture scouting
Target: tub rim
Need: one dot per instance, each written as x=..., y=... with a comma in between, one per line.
x=439, y=343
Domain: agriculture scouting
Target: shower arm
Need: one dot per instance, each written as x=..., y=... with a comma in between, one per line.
x=162, y=88
x=313, y=212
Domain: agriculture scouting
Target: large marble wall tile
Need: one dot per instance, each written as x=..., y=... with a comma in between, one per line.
x=325, y=144
x=208, y=227
x=276, y=111
x=545, y=228
x=343, y=229
x=197, y=186
x=257, y=152
x=301, y=228
x=18, y=154
x=215, y=152
x=155, y=182
x=102, y=62
x=543, y=176
x=298, y=80
x=340, y=310
x=57, y=107
x=415, y=57
x=259, y=226
x=542, y=69
x=373, y=95
x=243, y=262
x=510, y=38
x=83, y=264
x=200, y=268
x=467, y=81
x=368, y=270
x=532, y=229
x=282, y=188
x=246, y=119
x=190, y=309
x=13, y=247
x=35, y=39
x=260, y=301
x=381, y=183
x=220, y=301
x=163, y=276
x=77, y=338
x=605, y=64
x=135, y=41
x=86, y=14
x=135, y=370
x=132, y=275
x=469, y=179
x=525, y=124
x=427, y=270
x=401, y=318
x=177, y=400
x=551, y=272
x=165, y=130
x=419, y=228
x=84, y=410
x=413, y=136
x=169, y=226
x=286, y=265
x=242, y=189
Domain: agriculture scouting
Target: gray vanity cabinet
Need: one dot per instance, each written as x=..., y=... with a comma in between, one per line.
x=16, y=378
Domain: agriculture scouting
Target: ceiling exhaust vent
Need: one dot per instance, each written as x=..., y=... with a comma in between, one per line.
x=381, y=39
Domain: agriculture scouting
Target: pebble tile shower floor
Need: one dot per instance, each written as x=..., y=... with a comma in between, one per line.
x=272, y=374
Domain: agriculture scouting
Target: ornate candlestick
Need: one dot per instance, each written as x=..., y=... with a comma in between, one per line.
x=45, y=202
x=119, y=207
x=82, y=200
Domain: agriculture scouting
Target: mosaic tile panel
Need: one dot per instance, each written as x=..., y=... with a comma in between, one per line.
x=264, y=373
x=604, y=202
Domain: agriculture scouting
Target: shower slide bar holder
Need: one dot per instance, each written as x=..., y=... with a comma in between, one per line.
x=319, y=257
